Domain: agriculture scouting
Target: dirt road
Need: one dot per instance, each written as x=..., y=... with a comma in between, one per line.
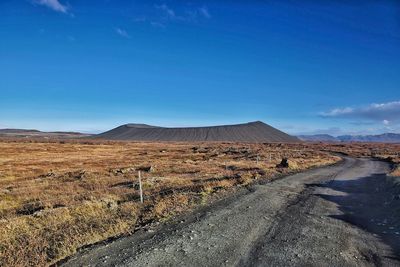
x=335, y=216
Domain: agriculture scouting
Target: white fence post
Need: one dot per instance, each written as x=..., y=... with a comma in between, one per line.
x=140, y=188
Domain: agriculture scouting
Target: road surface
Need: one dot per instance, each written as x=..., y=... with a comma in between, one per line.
x=340, y=215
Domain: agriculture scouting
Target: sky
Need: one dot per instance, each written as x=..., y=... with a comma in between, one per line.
x=305, y=67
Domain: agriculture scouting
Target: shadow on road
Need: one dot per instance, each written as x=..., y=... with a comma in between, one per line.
x=370, y=203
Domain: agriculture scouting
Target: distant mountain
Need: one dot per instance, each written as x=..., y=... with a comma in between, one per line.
x=17, y=131
x=247, y=132
x=23, y=133
x=318, y=137
x=381, y=138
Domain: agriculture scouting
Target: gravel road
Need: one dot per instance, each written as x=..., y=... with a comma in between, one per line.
x=340, y=215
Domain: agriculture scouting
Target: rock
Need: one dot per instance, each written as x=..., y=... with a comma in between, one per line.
x=49, y=174
x=147, y=169
x=232, y=168
x=284, y=163
x=112, y=205
x=122, y=170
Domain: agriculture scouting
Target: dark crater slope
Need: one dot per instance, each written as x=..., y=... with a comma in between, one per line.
x=247, y=132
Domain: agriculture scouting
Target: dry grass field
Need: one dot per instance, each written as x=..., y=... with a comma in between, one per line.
x=388, y=152
x=57, y=196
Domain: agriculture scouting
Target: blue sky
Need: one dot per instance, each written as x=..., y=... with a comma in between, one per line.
x=305, y=68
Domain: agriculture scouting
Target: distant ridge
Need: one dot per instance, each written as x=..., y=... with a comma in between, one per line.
x=380, y=138
x=31, y=133
x=247, y=132
x=318, y=138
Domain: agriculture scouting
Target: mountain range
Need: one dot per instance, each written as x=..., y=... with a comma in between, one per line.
x=380, y=138
x=246, y=132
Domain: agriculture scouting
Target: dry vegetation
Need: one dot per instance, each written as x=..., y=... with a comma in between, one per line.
x=57, y=196
x=387, y=152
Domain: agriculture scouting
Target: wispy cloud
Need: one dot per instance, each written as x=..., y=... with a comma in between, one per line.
x=167, y=10
x=204, y=12
x=71, y=38
x=53, y=4
x=122, y=32
x=187, y=14
x=384, y=112
x=157, y=24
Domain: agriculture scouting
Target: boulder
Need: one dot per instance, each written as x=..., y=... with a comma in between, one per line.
x=284, y=163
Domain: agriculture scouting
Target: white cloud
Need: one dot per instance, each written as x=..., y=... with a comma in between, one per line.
x=389, y=111
x=338, y=112
x=122, y=32
x=53, y=4
x=386, y=122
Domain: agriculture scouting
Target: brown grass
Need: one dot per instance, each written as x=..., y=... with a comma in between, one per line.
x=387, y=152
x=58, y=196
